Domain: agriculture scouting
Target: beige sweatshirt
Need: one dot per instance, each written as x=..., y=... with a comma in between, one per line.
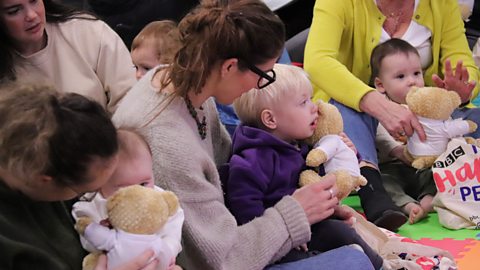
x=82, y=56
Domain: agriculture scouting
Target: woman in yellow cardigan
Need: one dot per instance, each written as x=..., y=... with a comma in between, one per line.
x=337, y=57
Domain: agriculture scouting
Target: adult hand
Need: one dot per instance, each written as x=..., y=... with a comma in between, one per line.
x=140, y=262
x=397, y=119
x=348, y=142
x=318, y=200
x=456, y=80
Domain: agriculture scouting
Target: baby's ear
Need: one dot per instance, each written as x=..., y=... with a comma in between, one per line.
x=268, y=119
x=379, y=85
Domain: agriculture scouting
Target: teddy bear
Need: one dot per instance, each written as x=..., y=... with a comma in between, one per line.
x=136, y=214
x=433, y=107
x=330, y=150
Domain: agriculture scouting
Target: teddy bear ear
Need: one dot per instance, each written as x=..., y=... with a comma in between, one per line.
x=321, y=106
x=171, y=200
x=455, y=98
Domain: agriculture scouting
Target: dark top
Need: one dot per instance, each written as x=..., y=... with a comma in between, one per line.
x=36, y=235
x=261, y=171
x=128, y=17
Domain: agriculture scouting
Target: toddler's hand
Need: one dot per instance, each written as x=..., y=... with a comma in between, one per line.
x=348, y=142
x=302, y=247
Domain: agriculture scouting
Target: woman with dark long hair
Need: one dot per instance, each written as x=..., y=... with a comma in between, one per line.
x=45, y=41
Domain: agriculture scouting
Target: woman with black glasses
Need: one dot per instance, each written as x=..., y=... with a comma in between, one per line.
x=229, y=47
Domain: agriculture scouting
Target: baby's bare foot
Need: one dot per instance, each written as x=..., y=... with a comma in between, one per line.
x=426, y=203
x=415, y=212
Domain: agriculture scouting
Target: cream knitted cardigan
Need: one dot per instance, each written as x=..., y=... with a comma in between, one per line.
x=187, y=165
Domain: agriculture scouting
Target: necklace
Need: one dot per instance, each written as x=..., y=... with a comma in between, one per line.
x=201, y=126
x=395, y=15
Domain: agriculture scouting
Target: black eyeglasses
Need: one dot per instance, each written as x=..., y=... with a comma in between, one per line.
x=266, y=78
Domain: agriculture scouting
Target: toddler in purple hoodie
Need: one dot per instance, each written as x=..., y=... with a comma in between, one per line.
x=268, y=157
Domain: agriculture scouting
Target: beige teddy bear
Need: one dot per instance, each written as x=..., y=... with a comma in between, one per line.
x=433, y=107
x=330, y=150
x=137, y=214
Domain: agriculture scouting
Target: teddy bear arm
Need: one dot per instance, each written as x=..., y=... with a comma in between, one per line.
x=423, y=162
x=471, y=140
x=458, y=127
x=345, y=183
x=100, y=237
x=82, y=223
x=316, y=157
x=360, y=181
x=472, y=126
x=90, y=261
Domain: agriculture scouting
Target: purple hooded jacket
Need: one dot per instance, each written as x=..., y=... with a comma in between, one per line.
x=261, y=171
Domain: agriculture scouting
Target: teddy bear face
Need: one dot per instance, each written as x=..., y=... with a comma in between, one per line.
x=140, y=210
x=329, y=122
x=432, y=102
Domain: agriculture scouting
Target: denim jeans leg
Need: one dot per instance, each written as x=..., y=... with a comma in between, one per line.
x=344, y=258
x=361, y=128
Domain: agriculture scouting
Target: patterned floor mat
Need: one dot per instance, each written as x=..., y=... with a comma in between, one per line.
x=464, y=245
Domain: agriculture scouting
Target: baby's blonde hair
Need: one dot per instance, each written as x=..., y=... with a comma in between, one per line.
x=250, y=105
x=164, y=35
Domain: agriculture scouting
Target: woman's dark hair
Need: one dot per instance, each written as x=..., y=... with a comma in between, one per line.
x=55, y=12
x=217, y=30
x=84, y=132
x=48, y=133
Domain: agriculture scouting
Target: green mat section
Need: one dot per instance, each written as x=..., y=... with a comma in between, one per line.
x=426, y=228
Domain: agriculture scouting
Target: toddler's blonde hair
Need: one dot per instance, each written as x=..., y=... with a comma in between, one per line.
x=164, y=36
x=250, y=105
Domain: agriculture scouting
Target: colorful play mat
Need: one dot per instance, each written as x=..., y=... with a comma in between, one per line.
x=464, y=245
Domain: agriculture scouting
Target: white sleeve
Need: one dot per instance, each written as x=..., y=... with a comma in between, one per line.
x=101, y=237
x=330, y=145
x=87, y=209
x=456, y=127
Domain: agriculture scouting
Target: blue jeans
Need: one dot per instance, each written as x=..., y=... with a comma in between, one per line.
x=361, y=128
x=228, y=117
x=344, y=258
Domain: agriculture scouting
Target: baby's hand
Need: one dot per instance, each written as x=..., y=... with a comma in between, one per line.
x=302, y=247
x=106, y=223
x=348, y=142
